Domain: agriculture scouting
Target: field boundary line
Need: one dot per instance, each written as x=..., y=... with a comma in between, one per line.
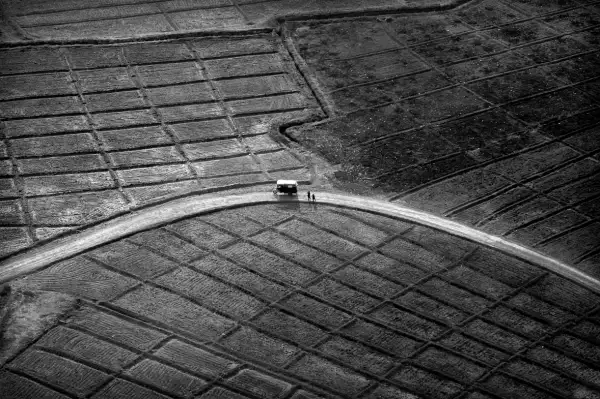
x=158, y=215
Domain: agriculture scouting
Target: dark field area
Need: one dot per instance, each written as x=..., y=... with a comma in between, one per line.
x=487, y=114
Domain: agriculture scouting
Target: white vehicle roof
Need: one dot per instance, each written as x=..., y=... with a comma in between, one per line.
x=286, y=182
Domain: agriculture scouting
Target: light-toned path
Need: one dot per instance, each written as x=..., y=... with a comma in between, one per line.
x=177, y=209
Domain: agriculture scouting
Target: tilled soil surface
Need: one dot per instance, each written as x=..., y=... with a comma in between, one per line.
x=305, y=301
x=93, y=131
x=486, y=114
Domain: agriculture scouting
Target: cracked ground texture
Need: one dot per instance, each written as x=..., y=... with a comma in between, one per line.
x=293, y=300
x=486, y=114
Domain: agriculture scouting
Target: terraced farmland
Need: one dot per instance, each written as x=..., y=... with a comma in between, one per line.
x=202, y=308
x=487, y=114
x=93, y=131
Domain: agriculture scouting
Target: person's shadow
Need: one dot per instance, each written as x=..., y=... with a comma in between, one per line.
x=290, y=203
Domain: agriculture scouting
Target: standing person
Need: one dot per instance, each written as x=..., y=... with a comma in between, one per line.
x=314, y=200
x=308, y=195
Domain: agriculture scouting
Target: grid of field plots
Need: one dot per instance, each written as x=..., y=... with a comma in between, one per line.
x=487, y=114
x=92, y=131
x=300, y=301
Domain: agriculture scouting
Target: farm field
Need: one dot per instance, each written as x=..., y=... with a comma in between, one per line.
x=202, y=307
x=95, y=131
x=487, y=114
x=483, y=112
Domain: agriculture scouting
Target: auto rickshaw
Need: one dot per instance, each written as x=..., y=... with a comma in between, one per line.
x=289, y=187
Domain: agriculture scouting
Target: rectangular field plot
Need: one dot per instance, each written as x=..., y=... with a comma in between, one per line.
x=570, y=344
x=174, y=312
x=259, y=384
x=21, y=60
x=73, y=163
x=488, y=13
x=268, y=264
x=382, y=338
x=154, y=174
x=210, y=19
x=14, y=239
x=579, y=190
x=316, y=311
x=443, y=104
x=458, y=297
x=203, y=130
x=202, y=234
x=356, y=355
x=194, y=359
x=124, y=139
x=521, y=33
x=87, y=348
x=54, y=145
x=347, y=227
x=321, y=239
x=69, y=375
x=119, y=100
x=517, y=321
x=446, y=362
x=564, y=363
x=426, y=305
x=240, y=277
x=482, y=67
x=213, y=149
x=477, y=282
x=506, y=269
x=246, y=65
x=148, y=156
x=554, y=49
x=326, y=373
x=368, y=282
x=279, y=160
x=549, y=379
x=426, y=27
x=407, y=321
x=374, y=67
x=16, y=386
x=11, y=212
x=211, y=293
x=40, y=107
x=180, y=113
x=42, y=126
x=458, y=48
x=150, y=53
x=115, y=328
x=495, y=335
x=233, y=221
x=79, y=208
x=565, y=293
x=268, y=104
x=342, y=295
x=156, y=192
x=185, y=93
x=229, y=166
x=299, y=252
x=166, y=378
x=63, y=17
x=289, y=328
x=168, y=244
x=121, y=119
x=540, y=309
x=253, y=344
x=510, y=387
x=219, y=48
x=107, y=79
x=46, y=185
x=261, y=143
x=429, y=384
x=413, y=254
x=23, y=86
x=391, y=269
x=255, y=86
x=132, y=259
x=235, y=181
x=95, y=56
x=473, y=349
x=164, y=74
x=568, y=100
